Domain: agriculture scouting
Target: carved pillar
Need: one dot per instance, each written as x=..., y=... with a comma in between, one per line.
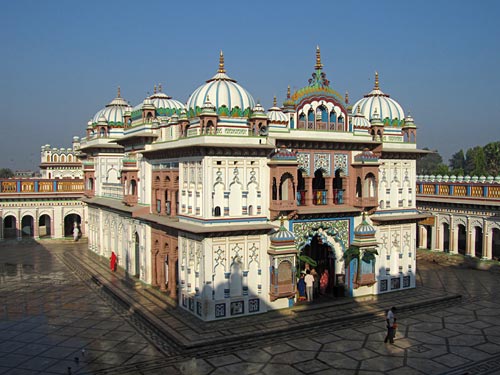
x=329, y=190
x=309, y=191
x=487, y=235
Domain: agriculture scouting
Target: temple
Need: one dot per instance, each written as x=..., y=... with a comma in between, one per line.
x=221, y=204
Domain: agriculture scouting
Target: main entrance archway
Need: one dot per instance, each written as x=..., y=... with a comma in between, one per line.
x=323, y=257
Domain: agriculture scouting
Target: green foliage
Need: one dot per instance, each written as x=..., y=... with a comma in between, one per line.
x=306, y=259
x=457, y=162
x=429, y=164
x=492, y=155
x=476, y=161
x=6, y=173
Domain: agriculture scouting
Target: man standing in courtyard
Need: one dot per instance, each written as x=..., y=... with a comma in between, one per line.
x=309, y=279
x=390, y=318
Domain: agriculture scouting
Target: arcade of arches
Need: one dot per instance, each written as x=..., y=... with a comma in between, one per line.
x=473, y=236
x=57, y=222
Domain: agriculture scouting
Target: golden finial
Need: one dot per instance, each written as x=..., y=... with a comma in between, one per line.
x=318, y=65
x=274, y=101
x=288, y=92
x=208, y=99
x=159, y=87
x=346, y=97
x=118, y=94
x=376, y=81
x=221, y=63
x=359, y=108
x=282, y=221
x=154, y=89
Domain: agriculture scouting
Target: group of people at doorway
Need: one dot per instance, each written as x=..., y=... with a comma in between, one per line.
x=312, y=284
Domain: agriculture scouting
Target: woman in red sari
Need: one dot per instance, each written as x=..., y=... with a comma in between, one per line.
x=323, y=282
x=112, y=261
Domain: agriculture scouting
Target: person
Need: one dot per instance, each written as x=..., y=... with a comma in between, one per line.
x=112, y=261
x=323, y=282
x=390, y=318
x=301, y=286
x=309, y=279
x=76, y=233
x=314, y=273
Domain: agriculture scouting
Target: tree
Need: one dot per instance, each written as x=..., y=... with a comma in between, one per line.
x=492, y=155
x=475, y=162
x=429, y=163
x=6, y=173
x=457, y=163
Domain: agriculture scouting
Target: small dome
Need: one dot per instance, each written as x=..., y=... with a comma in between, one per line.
x=359, y=120
x=364, y=229
x=276, y=115
x=409, y=122
x=164, y=104
x=387, y=107
x=225, y=93
x=113, y=112
x=258, y=111
x=282, y=234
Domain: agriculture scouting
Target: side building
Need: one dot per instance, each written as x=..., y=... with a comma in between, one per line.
x=221, y=205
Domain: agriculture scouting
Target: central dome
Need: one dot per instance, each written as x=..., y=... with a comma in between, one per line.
x=228, y=97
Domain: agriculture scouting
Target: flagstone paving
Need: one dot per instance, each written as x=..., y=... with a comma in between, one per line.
x=54, y=319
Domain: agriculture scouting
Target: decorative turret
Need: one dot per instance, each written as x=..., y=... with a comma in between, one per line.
x=409, y=130
x=377, y=127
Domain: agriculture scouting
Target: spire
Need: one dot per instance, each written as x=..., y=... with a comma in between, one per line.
x=288, y=92
x=221, y=63
x=118, y=94
x=159, y=87
x=376, y=81
x=359, y=109
x=318, y=65
x=274, y=101
x=346, y=97
x=154, y=90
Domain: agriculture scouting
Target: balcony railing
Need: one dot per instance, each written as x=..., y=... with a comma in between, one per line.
x=319, y=197
x=40, y=186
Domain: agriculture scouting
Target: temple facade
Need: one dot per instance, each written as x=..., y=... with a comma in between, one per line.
x=221, y=204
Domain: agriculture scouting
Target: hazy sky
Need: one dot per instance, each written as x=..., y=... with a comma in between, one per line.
x=63, y=60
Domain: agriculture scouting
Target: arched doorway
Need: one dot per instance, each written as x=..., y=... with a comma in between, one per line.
x=44, y=226
x=462, y=239
x=137, y=268
x=301, y=189
x=27, y=226
x=495, y=244
x=478, y=243
x=69, y=223
x=10, y=227
x=446, y=237
x=323, y=257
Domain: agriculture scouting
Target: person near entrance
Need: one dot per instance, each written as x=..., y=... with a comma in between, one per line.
x=314, y=274
x=309, y=279
x=390, y=318
x=76, y=232
x=112, y=261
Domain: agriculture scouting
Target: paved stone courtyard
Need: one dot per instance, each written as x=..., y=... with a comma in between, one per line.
x=53, y=322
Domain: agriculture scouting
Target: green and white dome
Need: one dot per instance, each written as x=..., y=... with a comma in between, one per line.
x=228, y=97
x=113, y=112
x=387, y=109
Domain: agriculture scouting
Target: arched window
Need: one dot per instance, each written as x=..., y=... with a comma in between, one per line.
x=217, y=211
x=275, y=189
x=370, y=185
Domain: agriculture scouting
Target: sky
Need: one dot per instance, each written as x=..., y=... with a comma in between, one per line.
x=62, y=60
